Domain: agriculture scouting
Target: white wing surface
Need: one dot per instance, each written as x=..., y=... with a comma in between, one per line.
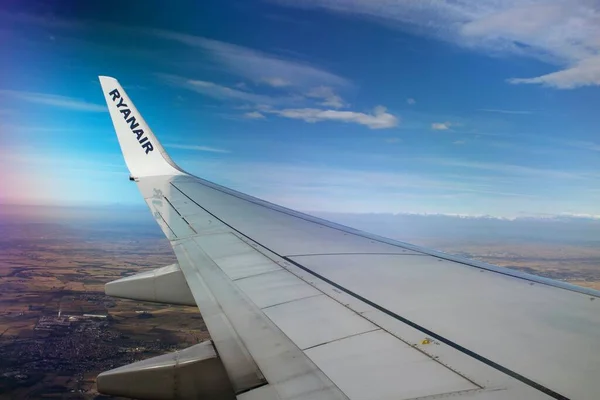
x=302, y=308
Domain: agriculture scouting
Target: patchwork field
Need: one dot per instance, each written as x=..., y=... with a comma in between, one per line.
x=576, y=264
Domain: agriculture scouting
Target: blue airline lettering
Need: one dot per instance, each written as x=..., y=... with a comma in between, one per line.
x=131, y=120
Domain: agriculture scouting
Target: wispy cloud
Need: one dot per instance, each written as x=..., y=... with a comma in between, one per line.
x=275, y=82
x=53, y=101
x=500, y=111
x=318, y=178
x=47, y=21
x=584, y=73
x=380, y=119
x=219, y=92
x=327, y=188
x=263, y=104
x=511, y=169
x=410, y=101
x=562, y=32
x=196, y=148
x=327, y=95
x=30, y=155
x=581, y=144
x=255, y=65
x=261, y=67
x=441, y=126
x=254, y=115
x=19, y=128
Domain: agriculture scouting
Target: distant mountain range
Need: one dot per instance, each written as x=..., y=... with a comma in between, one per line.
x=563, y=228
x=544, y=228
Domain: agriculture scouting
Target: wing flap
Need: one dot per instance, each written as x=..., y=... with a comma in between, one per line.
x=274, y=287
x=388, y=369
x=289, y=371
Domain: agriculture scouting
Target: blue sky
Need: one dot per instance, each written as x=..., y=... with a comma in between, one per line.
x=471, y=108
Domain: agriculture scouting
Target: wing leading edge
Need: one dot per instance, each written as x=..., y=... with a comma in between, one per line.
x=298, y=307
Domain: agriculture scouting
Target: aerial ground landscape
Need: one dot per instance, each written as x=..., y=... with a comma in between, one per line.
x=58, y=330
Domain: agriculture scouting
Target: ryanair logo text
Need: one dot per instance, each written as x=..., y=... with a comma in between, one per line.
x=133, y=124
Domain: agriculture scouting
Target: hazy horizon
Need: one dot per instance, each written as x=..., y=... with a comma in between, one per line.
x=401, y=226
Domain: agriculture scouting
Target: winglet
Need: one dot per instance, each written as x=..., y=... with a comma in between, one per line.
x=143, y=153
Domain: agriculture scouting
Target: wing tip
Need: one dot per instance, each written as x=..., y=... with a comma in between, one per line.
x=143, y=153
x=107, y=81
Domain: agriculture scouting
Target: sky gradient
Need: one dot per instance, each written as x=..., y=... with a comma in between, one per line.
x=356, y=106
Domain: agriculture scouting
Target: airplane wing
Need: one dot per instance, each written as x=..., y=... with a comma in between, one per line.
x=302, y=308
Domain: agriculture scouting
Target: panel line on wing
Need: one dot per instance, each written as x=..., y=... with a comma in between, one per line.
x=355, y=334
x=291, y=301
x=255, y=275
x=178, y=213
x=356, y=254
x=157, y=213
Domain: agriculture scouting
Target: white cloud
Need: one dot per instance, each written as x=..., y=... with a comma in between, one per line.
x=584, y=73
x=459, y=142
x=411, y=101
x=496, y=110
x=196, y=148
x=254, y=115
x=583, y=145
x=514, y=21
x=217, y=91
x=45, y=20
x=380, y=119
x=511, y=169
x=440, y=126
x=223, y=92
x=54, y=101
x=256, y=65
x=562, y=32
x=329, y=97
x=276, y=82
